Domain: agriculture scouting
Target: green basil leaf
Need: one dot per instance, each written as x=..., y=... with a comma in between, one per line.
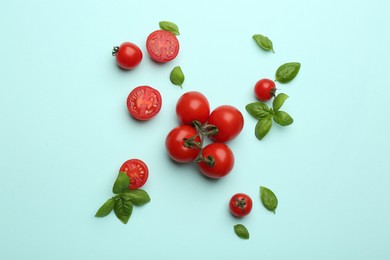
x=279, y=101
x=138, y=197
x=262, y=128
x=282, y=118
x=123, y=208
x=264, y=42
x=241, y=231
x=287, y=72
x=106, y=208
x=177, y=76
x=122, y=183
x=258, y=110
x=170, y=27
x=268, y=198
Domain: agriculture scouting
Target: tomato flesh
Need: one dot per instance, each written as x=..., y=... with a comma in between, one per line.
x=137, y=171
x=144, y=102
x=162, y=46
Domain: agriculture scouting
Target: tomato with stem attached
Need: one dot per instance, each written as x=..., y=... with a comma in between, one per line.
x=127, y=55
x=144, y=102
x=265, y=89
x=137, y=171
x=183, y=144
x=192, y=106
x=162, y=46
x=240, y=205
x=216, y=160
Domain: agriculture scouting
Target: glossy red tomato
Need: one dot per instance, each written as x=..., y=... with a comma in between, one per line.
x=137, y=171
x=240, y=205
x=229, y=122
x=221, y=158
x=162, y=46
x=144, y=102
x=265, y=89
x=192, y=106
x=128, y=55
x=178, y=148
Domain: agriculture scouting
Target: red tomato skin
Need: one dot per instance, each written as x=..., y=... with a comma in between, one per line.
x=224, y=160
x=229, y=122
x=174, y=144
x=240, y=205
x=265, y=89
x=137, y=171
x=192, y=106
x=162, y=46
x=144, y=102
x=128, y=56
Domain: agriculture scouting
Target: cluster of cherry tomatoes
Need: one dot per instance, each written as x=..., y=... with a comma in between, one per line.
x=185, y=143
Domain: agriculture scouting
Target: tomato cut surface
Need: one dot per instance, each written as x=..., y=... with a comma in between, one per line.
x=162, y=46
x=144, y=102
x=137, y=171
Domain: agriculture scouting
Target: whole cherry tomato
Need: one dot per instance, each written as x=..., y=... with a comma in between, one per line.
x=162, y=46
x=180, y=144
x=144, y=102
x=240, y=205
x=137, y=171
x=192, y=106
x=128, y=55
x=229, y=122
x=265, y=89
x=218, y=160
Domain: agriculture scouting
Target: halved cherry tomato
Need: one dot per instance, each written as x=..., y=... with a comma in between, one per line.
x=192, y=106
x=219, y=160
x=137, y=171
x=240, y=205
x=179, y=147
x=144, y=102
x=127, y=55
x=162, y=46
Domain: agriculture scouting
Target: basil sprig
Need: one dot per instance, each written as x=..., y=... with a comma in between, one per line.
x=265, y=114
x=122, y=203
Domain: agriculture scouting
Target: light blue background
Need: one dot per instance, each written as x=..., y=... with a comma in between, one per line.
x=65, y=130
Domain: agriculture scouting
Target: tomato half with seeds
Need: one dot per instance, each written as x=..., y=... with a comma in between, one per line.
x=144, y=102
x=240, y=205
x=137, y=171
x=162, y=46
x=182, y=144
x=192, y=106
x=217, y=160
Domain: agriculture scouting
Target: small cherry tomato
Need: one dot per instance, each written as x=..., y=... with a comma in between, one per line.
x=128, y=55
x=144, y=102
x=162, y=46
x=137, y=171
x=181, y=144
x=229, y=122
x=265, y=89
x=240, y=205
x=218, y=160
x=192, y=106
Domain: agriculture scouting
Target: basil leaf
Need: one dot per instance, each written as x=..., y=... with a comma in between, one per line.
x=122, y=183
x=138, y=197
x=262, y=128
x=170, y=27
x=123, y=208
x=287, y=72
x=282, y=118
x=279, y=101
x=241, y=231
x=106, y=208
x=268, y=199
x=258, y=110
x=177, y=76
x=264, y=42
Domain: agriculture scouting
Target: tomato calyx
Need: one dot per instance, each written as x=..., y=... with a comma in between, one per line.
x=240, y=203
x=115, y=50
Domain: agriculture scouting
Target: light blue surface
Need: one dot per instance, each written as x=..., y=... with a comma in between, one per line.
x=65, y=130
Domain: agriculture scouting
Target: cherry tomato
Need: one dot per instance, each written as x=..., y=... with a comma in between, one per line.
x=144, y=102
x=137, y=171
x=128, y=55
x=240, y=205
x=265, y=89
x=162, y=46
x=229, y=122
x=220, y=160
x=192, y=106
x=176, y=145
